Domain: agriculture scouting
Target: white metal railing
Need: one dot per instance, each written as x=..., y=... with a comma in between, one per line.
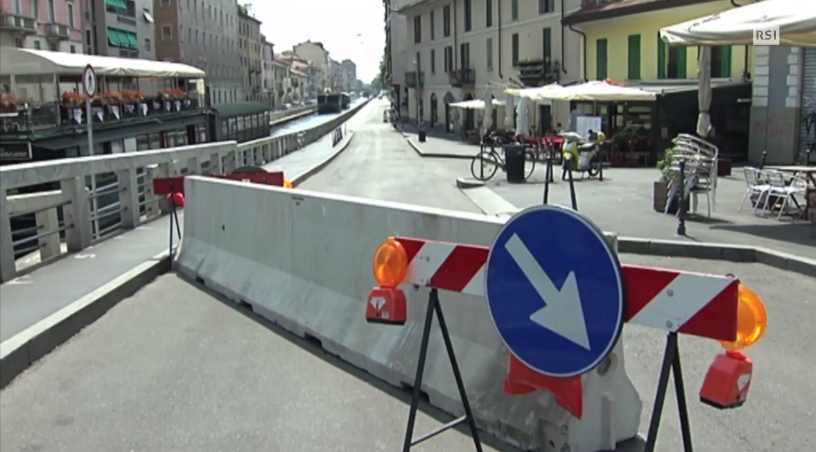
x=124, y=191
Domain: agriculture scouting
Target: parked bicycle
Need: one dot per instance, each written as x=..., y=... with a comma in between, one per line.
x=487, y=162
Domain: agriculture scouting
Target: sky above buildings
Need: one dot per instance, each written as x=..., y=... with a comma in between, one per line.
x=351, y=29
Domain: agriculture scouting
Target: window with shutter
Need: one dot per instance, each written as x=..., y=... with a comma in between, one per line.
x=634, y=57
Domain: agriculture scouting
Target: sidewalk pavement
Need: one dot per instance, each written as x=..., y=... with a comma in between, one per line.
x=439, y=145
x=623, y=204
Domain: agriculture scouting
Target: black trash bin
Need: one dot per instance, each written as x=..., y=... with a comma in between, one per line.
x=514, y=161
x=421, y=136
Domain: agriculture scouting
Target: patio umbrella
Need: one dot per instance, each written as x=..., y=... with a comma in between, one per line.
x=475, y=104
x=704, y=93
x=487, y=120
x=600, y=91
x=522, y=122
x=795, y=19
x=509, y=109
x=796, y=24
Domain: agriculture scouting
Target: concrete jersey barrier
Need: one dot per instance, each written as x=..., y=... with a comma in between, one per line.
x=303, y=260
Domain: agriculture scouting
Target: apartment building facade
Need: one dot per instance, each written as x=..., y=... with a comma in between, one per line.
x=283, y=87
x=249, y=42
x=318, y=57
x=204, y=34
x=268, y=72
x=54, y=25
x=396, y=50
x=119, y=28
x=472, y=49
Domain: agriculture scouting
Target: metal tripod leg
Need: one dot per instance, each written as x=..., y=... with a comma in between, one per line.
x=434, y=307
x=671, y=363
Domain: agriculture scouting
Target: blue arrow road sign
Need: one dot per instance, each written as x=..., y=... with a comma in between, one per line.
x=554, y=289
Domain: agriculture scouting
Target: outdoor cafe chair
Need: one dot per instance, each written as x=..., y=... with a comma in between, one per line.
x=756, y=187
x=778, y=188
x=797, y=186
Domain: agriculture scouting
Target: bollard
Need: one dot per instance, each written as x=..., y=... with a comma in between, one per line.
x=681, y=213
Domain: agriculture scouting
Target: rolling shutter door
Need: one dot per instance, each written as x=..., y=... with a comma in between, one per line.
x=807, y=125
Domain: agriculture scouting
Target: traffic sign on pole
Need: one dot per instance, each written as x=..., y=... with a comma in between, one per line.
x=89, y=81
x=555, y=292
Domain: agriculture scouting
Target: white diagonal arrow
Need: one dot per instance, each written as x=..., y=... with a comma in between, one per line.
x=563, y=313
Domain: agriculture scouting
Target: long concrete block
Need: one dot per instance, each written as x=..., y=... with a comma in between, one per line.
x=303, y=260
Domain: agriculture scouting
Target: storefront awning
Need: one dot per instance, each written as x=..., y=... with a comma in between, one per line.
x=114, y=39
x=121, y=4
x=42, y=62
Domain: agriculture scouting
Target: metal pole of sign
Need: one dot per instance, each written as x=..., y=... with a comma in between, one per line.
x=94, y=201
x=89, y=88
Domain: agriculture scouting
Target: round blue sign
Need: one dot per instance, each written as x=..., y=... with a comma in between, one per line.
x=554, y=289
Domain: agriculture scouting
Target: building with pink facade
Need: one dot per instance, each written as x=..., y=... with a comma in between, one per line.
x=41, y=24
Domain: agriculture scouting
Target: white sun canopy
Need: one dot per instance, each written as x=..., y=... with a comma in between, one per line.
x=796, y=20
x=41, y=62
x=597, y=91
x=475, y=104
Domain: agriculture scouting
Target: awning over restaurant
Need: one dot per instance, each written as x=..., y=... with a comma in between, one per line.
x=42, y=62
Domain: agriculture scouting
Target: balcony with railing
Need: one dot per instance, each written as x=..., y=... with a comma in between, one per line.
x=415, y=79
x=57, y=31
x=538, y=72
x=17, y=23
x=462, y=78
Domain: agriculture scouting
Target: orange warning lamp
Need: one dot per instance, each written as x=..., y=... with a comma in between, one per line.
x=287, y=184
x=728, y=379
x=387, y=303
x=175, y=199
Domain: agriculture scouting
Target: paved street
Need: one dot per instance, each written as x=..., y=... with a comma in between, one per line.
x=174, y=369
x=380, y=164
x=778, y=415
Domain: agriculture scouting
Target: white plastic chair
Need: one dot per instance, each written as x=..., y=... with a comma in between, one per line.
x=778, y=188
x=756, y=187
x=798, y=186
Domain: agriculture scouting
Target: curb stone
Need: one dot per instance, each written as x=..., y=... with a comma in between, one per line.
x=719, y=251
x=438, y=155
x=22, y=350
x=304, y=176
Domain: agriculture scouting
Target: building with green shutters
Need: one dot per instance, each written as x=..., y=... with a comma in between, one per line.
x=120, y=28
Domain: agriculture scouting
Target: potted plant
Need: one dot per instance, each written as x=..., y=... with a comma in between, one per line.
x=72, y=99
x=113, y=97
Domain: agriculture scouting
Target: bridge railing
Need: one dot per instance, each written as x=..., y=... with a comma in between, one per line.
x=70, y=217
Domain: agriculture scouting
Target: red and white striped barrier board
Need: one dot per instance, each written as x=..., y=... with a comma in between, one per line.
x=669, y=300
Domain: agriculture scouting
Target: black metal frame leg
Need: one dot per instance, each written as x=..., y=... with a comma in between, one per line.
x=435, y=308
x=671, y=363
